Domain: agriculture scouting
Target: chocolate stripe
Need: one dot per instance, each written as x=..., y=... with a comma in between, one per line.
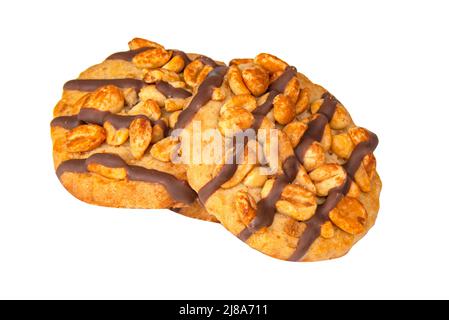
x=90, y=85
x=179, y=190
x=313, y=226
x=213, y=80
x=171, y=92
x=266, y=208
x=66, y=122
x=128, y=55
x=94, y=116
x=207, y=61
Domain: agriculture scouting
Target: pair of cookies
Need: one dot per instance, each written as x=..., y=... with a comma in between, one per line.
x=139, y=130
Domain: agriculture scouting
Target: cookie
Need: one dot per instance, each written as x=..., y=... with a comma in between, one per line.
x=110, y=131
x=316, y=195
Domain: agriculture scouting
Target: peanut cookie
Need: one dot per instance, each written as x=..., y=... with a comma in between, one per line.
x=110, y=132
x=316, y=195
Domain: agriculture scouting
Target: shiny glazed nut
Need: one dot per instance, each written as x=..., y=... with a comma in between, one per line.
x=172, y=105
x=140, y=132
x=85, y=138
x=157, y=134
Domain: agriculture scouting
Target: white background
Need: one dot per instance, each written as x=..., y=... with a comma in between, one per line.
x=386, y=60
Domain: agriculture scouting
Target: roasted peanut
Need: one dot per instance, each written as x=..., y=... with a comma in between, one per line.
x=176, y=64
x=327, y=177
x=256, y=80
x=292, y=90
x=340, y=119
x=295, y=131
x=327, y=230
x=270, y=62
x=148, y=108
x=218, y=94
x=164, y=149
x=172, y=105
x=151, y=93
x=255, y=179
x=85, y=138
x=245, y=101
x=302, y=179
x=157, y=134
x=155, y=75
x=138, y=43
x=152, y=58
x=236, y=83
x=139, y=137
x=297, y=203
x=284, y=111
x=111, y=173
x=245, y=206
x=233, y=120
x=115, y=137
x=342, y=145
x=236, y=62
x=349, y=215
x=303, y=101
x=195, y=72
x=314, y=156
x=130, y=96
x=173, y=118
x=107, y=98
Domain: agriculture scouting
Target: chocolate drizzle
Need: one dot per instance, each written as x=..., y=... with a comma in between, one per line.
x=94, y=116
x=313, y=229
x=171, y=92
x=179, y=190
x=213, y=80
x=90, y=85
x=128, y=55
x=66, y=122
x=207, y=61
x=316, y=127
